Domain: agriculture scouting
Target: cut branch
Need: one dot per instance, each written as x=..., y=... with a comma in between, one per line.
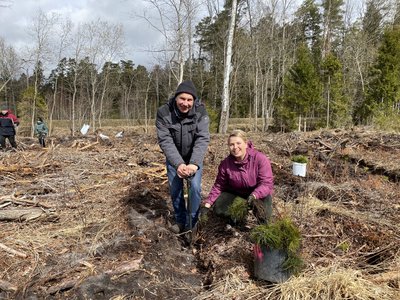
x=12, y=251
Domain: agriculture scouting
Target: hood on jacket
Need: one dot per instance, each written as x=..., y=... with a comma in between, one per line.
x=7, y=111
x=172, y=105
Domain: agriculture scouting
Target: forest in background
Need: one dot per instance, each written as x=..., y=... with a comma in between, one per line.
x=293, y=65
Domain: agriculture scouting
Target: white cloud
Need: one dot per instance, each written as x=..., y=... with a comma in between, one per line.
x=16, y=19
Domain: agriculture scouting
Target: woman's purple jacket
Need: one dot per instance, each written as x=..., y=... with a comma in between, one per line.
x=252, y=175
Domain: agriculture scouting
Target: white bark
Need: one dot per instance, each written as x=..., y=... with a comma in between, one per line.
x=104, y=43
x=175, y=24
x=77, y=55
x=223, y=124
x=9, y=63
x=42, y=32
x=63, y=35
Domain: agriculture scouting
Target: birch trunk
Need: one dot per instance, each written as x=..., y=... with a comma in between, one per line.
x=223, y=123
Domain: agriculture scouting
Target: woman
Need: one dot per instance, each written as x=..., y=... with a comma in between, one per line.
x=41, y=131
x=246, y=173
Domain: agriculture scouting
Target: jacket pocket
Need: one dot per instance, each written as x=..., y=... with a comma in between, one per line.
x=174, y=130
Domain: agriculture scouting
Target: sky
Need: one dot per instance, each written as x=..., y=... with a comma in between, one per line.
x=17, y=15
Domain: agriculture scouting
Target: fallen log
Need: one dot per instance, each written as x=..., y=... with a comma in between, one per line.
x=6, y=203
x=120, y=270
x=66, y=285
x=26, y=214
x=125, y=268
x=23, y=202
x=7, y=287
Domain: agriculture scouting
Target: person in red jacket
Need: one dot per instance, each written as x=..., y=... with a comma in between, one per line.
x=8, y=123
x=244, y=173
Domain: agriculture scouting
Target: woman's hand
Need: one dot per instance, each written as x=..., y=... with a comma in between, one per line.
x=204, y=210
x=251, y=199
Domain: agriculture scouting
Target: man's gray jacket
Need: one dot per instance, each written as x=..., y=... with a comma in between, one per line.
x=183, y=139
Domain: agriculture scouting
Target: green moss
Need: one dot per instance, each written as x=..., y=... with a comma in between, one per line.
x=301, y=159
x=238, y=209
x=344, y=246
x=282, y=235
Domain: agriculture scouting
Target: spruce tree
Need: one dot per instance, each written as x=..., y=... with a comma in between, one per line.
x=309, y=19
x=383, y=94
x=303, y=91
x=337, y=105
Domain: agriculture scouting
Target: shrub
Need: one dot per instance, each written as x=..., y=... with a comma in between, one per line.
x=238, y=209
x=281, y=235
x=301, y=159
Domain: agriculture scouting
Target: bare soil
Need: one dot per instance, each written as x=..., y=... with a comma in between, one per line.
x=88, y=219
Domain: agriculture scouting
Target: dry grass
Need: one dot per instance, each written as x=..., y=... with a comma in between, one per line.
x=314, y=205
x=235, y=285
x=342, y=234
x=327, y=283
x=333, y=283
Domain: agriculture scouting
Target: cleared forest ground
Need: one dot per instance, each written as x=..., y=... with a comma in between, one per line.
x=88, y=219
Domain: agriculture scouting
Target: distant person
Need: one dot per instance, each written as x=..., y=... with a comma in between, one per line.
x=244, y=173
x=8, y=124
x=183, y=135
x=41, y=131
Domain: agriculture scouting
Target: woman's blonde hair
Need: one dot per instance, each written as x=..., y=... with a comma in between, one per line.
x=238, y=133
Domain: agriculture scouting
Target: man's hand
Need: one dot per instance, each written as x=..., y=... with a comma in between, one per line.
x=181, y=171
x=185, y=171
x=192, y=169
x=251, y=199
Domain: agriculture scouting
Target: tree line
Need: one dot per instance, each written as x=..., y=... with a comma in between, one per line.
x=283, y=64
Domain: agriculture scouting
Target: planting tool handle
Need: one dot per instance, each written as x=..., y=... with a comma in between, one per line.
x=189, y=202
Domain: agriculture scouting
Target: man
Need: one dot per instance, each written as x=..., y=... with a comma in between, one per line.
x=8, y=122
x=183, y=135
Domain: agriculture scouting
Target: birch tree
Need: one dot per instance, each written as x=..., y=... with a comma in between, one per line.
x=42, y=32
x=224, y=120
x=63, y=34
x=77, y=54
x=9, y=64
x=175, y=24
x=104, y=42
